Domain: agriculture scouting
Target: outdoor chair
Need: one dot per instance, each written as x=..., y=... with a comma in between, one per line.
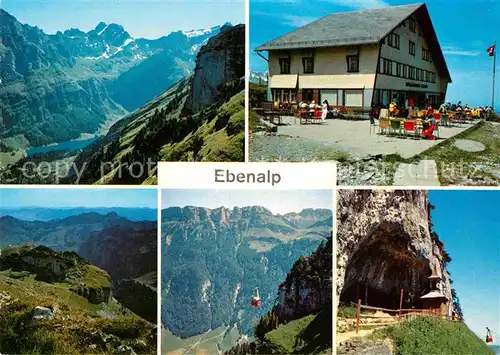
x=317, y=116
x=268, y=106
x=384, y=125
x=451, y=117
x=396, y=127
x=411, y=127
x=436, y=129
x=384, y=113
x=445, y=120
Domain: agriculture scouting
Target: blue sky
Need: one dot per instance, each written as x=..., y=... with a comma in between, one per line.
x=141, y=18
x=78, y=197
x=468, y=223
x=278, y=201
x=465, y=29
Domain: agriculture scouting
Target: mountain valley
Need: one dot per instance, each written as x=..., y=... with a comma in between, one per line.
x=215, y=258
x=100, y=101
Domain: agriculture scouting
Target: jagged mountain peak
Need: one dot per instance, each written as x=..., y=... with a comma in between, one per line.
x=100, y=27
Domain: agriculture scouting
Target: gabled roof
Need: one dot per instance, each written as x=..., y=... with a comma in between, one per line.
x=358, y=28
x=344, y=28
x=434, y=294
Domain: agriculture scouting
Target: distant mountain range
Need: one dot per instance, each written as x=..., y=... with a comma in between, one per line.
x=258, y=78
x=56, y=87
x=214, y=258
x=47, y=214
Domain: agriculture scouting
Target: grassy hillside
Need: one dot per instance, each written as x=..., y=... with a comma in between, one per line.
x=220, y=139
x=426, y=335
x=77, y=326
x=311, y=334
x=164, y=131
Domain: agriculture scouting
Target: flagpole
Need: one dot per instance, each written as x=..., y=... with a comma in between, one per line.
x=494, y=67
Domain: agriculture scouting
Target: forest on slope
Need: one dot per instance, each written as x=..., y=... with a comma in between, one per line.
x=215, y=259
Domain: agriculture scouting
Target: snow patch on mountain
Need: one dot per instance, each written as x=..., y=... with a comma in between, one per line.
x=102, y=31
x=258, y=77
x=200, y=32
x=126, y=43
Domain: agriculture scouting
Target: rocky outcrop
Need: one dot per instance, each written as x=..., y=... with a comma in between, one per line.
x=308, y=287
x=385, y=244
x=48, y=265
x=221, y=60
x=67, y=267
x=94, y=295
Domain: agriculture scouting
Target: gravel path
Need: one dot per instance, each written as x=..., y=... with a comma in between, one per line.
x=291, y=149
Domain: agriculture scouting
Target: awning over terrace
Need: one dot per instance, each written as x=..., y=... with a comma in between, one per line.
x=283, y=81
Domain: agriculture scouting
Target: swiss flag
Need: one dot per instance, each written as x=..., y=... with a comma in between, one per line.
x=491, y=50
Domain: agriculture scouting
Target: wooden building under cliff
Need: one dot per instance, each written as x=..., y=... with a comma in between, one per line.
x=435, y=300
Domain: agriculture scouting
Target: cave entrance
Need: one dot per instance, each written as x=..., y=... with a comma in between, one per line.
x=381, y=266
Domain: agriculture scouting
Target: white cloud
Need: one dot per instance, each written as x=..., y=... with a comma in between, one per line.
x=466, y=53
x=360, y=4
x=453, y=50
x=297, y=21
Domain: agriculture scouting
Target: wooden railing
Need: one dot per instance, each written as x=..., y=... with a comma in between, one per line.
x=398, y=315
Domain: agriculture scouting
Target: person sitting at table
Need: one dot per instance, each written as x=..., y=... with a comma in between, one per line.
x=411, y=103
x=443, y=108
x=428, y=129
x=429, y=111
x=393, y=107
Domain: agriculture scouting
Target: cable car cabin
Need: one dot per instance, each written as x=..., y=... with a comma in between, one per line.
x=255, y=298
x=255, y=302
x=489, y=335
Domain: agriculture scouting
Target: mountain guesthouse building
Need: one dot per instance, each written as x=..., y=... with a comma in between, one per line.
x=360, y=59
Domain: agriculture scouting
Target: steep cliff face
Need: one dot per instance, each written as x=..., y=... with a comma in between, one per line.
x=301, y=320
x=384, y=244
x=214, y=258
x=165, y=129
x=129, y=254
x=221, y=60
x=308, y=287
x=125, y=251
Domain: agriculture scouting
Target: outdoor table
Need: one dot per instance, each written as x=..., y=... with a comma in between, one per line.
x=308, y=117
x=272, y=115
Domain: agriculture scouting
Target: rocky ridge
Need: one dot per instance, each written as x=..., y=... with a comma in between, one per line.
x=50, y=266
